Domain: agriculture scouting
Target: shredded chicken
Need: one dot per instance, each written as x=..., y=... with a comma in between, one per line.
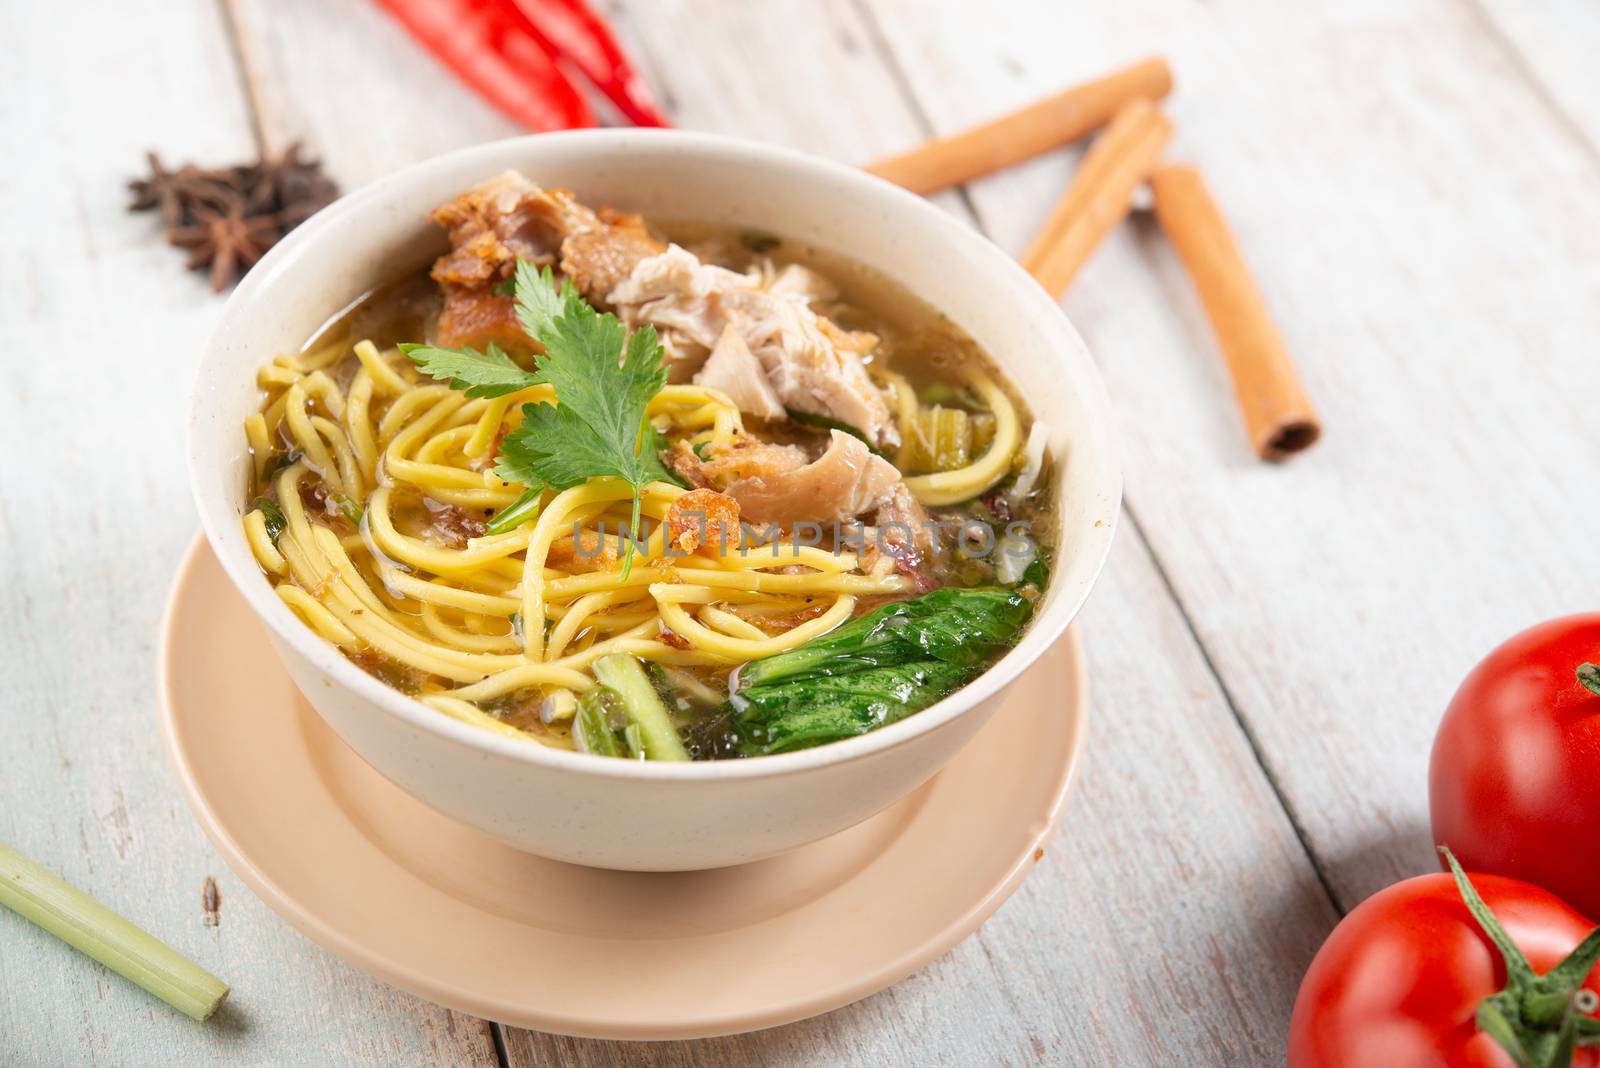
x=795, y=280
x=810, y=370
x=809, y=363
x=734, y=370
x=681, y=298
x=843, y=482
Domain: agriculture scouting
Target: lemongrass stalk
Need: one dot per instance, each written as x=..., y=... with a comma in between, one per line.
x=89, y=927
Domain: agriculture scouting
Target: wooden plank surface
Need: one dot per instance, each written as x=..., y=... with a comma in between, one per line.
x=1416, y=187
x=1553, y=42
x=799, y=76
x=1428, y=231
x=105, y=327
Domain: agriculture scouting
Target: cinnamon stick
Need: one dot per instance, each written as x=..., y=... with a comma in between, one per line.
x=1100, y=195
x=1054, y=121
x=1277, y=413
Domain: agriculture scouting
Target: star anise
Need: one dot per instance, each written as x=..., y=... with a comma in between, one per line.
x=228, y=217
x=226, y=241
x=301, y=186
x=177, y=192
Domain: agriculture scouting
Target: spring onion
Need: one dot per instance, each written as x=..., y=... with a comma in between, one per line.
x=518, y=512
x=273, y=516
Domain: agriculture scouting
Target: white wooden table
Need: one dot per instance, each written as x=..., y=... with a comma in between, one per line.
x=1418, y=186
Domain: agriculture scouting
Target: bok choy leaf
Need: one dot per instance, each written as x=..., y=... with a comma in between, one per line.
x=953, y=625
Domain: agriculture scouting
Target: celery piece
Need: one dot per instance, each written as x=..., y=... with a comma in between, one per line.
x=954, y=438
x=91, y=928
x=351, y=510
x=983, y=424
x=940, y=439
x=622, y=673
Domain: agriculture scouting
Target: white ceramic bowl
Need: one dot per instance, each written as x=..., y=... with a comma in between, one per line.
x=613, y=813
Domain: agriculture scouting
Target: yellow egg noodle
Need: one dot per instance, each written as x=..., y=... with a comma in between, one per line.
x=496, y=616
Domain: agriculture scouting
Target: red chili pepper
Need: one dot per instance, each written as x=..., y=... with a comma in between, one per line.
x=489, y=46
x=574, y=32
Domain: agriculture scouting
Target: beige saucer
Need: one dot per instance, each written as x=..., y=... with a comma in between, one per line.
x=435, y=908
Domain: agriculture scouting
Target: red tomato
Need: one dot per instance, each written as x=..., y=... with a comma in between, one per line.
x=1515, y=780
x=1398, y=982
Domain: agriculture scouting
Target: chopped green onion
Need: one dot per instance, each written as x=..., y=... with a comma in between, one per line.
x=91, y=928
x=277, y=463
x=351, y=510
x=272, y=516
x=702, y=449
x=517, y=512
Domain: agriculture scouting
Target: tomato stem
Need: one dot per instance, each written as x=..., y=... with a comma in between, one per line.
x=1589, y=677
x=1539, y=1020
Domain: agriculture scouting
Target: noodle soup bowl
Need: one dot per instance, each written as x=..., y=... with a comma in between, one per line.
x=642, y=815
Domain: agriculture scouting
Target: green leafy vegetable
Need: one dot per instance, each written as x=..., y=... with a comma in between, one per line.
x=957, y=626
x=504, y=288
x=351, y=510
x=276, y=463
x=807, y=712
x=592, y=727
x=518, y=512
x=657, y=737
x=481, y=374
x=272, y=515
x=1037, y=573
x=874, y=670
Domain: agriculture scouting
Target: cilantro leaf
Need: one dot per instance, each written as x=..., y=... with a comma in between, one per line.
x=481, y=374
x=604, y=379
